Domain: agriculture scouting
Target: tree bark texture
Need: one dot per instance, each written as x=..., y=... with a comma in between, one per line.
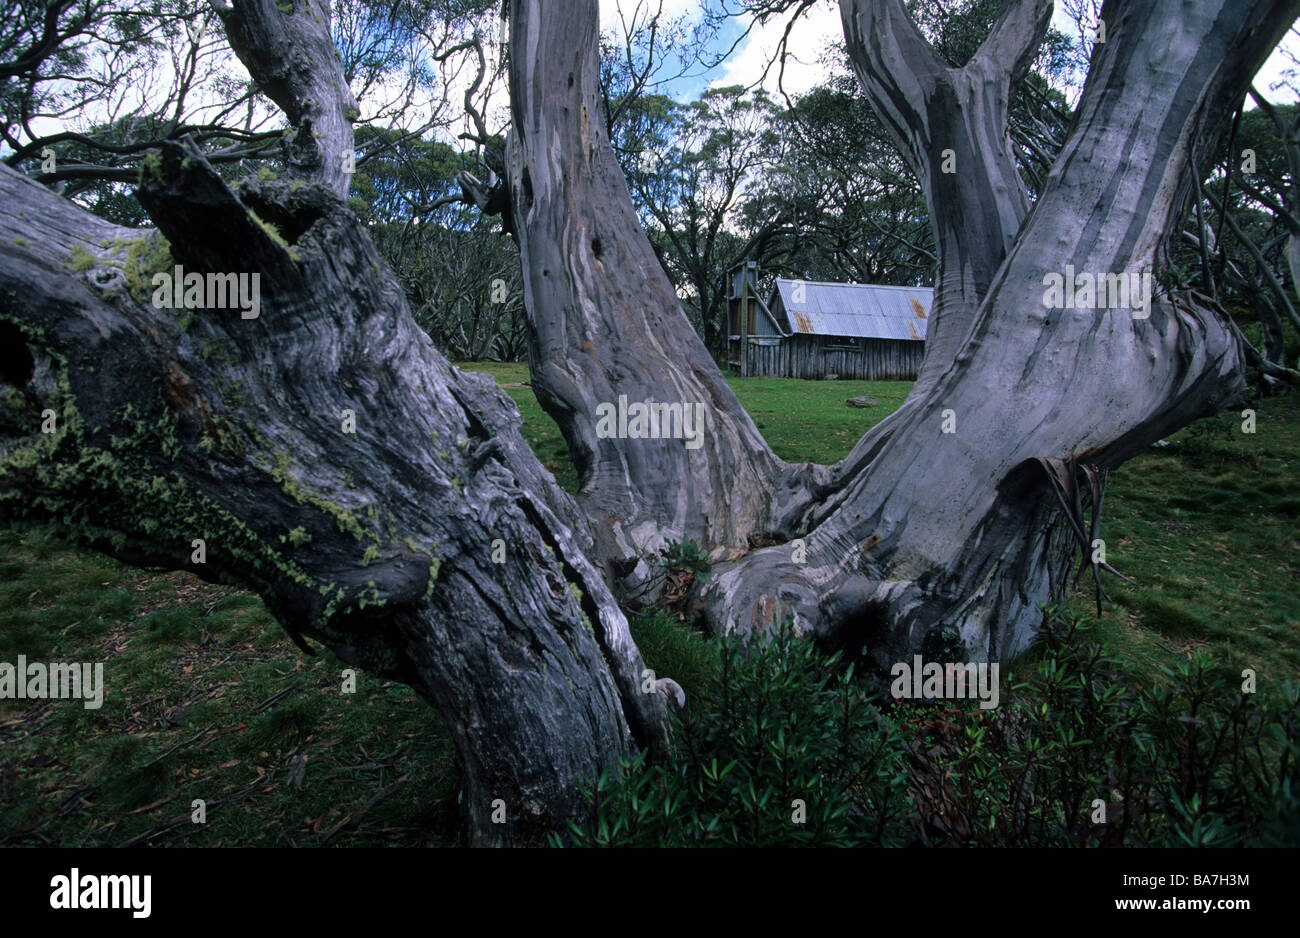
x=959, y=530
x=329, y=459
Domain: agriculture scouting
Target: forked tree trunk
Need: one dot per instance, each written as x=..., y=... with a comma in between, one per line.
x=956, y=529
x=951, y=126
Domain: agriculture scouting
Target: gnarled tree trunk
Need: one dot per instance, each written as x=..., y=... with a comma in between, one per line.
x=952, y=523
x=330, y=459
x=606, y=324
x=326, y=455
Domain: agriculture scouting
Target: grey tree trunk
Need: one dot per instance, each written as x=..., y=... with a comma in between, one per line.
x=951, y=126
x=605, y=322
x=952, y=523
x=319, y=451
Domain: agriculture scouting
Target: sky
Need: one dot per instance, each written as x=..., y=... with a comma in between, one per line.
x=815, y=32
x=819, y=28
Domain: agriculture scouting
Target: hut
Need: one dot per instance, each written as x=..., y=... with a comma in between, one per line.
x=809, y=329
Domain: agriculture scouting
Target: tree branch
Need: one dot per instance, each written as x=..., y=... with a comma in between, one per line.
x=293, y=59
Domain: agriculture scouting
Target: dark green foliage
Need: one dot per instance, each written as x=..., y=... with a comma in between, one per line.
x=783, y=728
x=685, y=555
x=673, y=650
x=1191, y=761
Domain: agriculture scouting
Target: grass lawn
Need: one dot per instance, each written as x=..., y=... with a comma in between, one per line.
x=803, y=421
x=207, y=699
x=1207, y=528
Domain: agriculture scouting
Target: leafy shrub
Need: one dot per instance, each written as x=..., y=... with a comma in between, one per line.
x=1080, y=757
x=1191, y=761
x=685, y=555
x=681, y=564
x=788, y=750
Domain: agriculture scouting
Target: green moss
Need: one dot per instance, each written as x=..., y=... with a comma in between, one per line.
x=86, y=487
x=213, y=350
x=433, y=577
x=370, y=556
x=151, y=168
x=81, y=260
x=140, y=259
x=21, y=241
x=167, y=439
x=370, y=597
x=228, y=437
x=272, y=231
x=116, y=493
x=346, y=521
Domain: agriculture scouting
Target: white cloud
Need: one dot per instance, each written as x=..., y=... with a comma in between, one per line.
x=1271, y=73
x=610, y=10
x=821, y=26
x=815, y=31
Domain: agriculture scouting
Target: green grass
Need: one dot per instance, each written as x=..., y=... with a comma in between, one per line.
x=190, y=711
x=673, y=650
x=206, y=697
x=809, y=421
x=1207, y=529
x=803, y=421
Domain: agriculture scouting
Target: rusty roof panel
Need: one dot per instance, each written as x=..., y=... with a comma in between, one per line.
x=868, y=311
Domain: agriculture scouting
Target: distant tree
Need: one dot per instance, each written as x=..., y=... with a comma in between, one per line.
x=855, y=210
x=460, y=274
x=689, y=169
x=1241, y=242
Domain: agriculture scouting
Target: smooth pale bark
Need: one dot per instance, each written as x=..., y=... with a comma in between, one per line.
x=606, y=322
x=329, y=458
x=956, y=530
x=297, y=66
x=951, y=126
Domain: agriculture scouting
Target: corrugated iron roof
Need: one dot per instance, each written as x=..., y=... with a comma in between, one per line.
x=869, y=311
